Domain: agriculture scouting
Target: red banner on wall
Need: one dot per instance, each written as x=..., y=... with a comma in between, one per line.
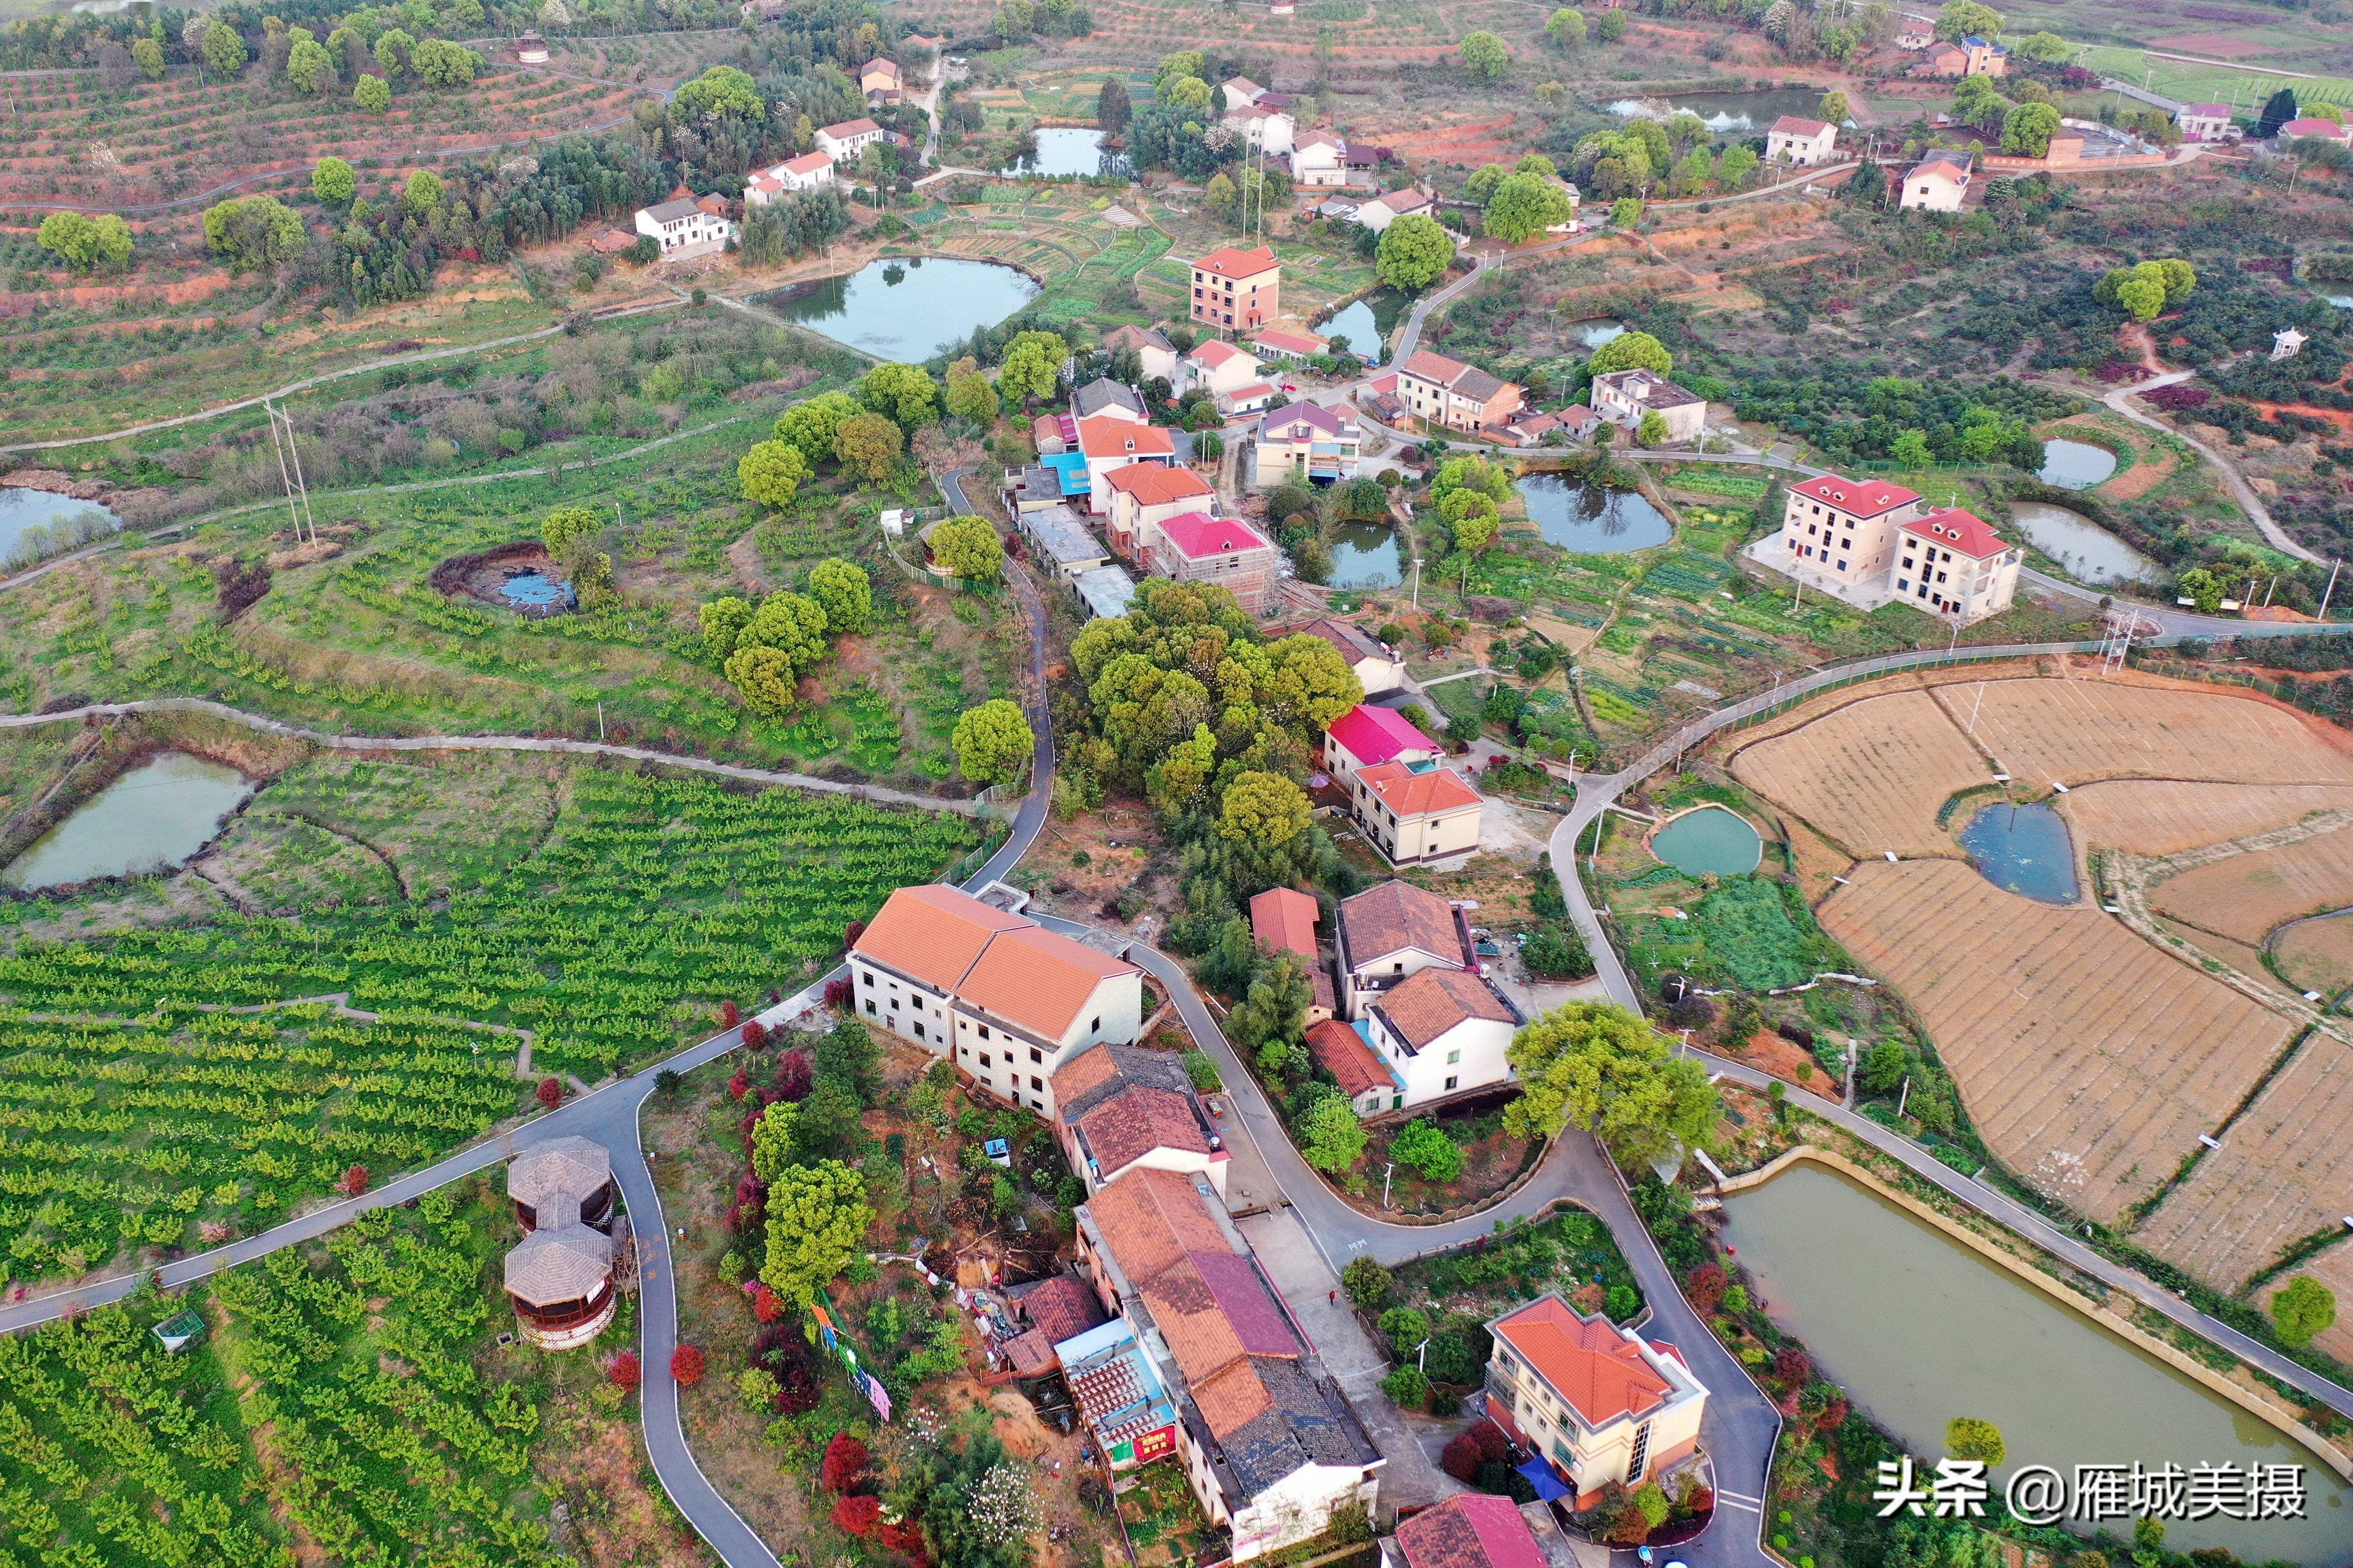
x=1150, y=1446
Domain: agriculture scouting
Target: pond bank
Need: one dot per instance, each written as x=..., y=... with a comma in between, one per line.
x=2259, y=1403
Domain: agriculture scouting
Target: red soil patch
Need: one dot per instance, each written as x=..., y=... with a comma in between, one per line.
x=2336, y=416
x=2221, y=46
x=1769, y=1052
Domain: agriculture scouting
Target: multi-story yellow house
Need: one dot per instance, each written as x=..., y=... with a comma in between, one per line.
x=1599, y=1404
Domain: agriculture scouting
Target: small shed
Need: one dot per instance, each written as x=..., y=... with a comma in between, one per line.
x=180, y=1331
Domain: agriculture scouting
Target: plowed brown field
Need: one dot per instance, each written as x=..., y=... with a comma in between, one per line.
x=2163, y=817
x=1871, y=775
x=2090, y=1061
x=2069, y=731
x=2247, y=895
x=2317, y=955
x=2283, y=1172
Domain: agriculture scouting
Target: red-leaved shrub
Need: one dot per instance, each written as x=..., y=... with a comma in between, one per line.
x=755, y=1034
x=625, y=1371
x=845, y=1462
x=740, y=1085
x=1459, y=1459
x=354, y=1180
x=729, y=1015
x=1704, y=1286
x=838, y=996
x=550, y=1093
x=858, y=1515
x=686, y=1365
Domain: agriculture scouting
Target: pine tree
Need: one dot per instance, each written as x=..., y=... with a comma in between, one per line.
x=2278, y=110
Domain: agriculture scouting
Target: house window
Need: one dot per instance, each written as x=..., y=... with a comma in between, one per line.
x=919, y=1031
x=1095, y=1028
x=1452, y=1081
x=1635, y=1465
x=894, y=1004
x=1036, y=1083
x=1453, y=1057
x=984, y=1031
x=983, y=1059
x=866, y=978
x=869, y=1004
x=1036, y=1054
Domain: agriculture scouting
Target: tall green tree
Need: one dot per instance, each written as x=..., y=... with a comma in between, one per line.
x=1962, y=19
x=1032, y=367
x=1484, y=56
x=817, y=1218
x=335, y=182
x=1525, y=205
x=993, y=743
x=1335, y=1138
x=2278, y=110
x=1263, y=810
x=85, y=243
x=905, y=391
x=1596, y=1065
x=2302, y=1309
x=1112, y=110
x=845, y=592
x=969, y=548
x=1566, y=28
x=1630, y=350
x=772, y=473
x=812, y=425
x=224, y=49
x=253, y=234
x=869, y=445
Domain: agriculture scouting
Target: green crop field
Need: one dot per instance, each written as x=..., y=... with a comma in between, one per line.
x=2191, y=82
x=610, y=932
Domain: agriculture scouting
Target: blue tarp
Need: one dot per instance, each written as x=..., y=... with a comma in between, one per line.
x=1539, y=1476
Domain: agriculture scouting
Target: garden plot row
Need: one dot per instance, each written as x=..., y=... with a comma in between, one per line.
x=2090, y=1061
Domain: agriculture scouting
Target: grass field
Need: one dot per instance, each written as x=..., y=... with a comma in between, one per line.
x=2194, y=83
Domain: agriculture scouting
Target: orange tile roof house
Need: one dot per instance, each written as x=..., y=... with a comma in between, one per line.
x=1341, y=1049
x=1283, y=920
x=1112, y=444
x=1442, y=1032
x=1599, y=1403
x=1445, y=392
x=1219, y=366
x=1388, y=933
x=1268, y=1443
x=1122, y=1108
x=1797, y=141
x=1143, y=494
x=1003, y=998
x=1154, y=352
x=878, y=80
x=1417, y=814
x=1237, y=291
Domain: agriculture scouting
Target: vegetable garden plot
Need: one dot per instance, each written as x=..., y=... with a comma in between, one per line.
x=2165, y=817
x=1871, y=775
x=123, y=1135
x=2281, y=1174
x=2089, y=1059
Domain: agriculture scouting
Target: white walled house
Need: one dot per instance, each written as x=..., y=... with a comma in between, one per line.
x=1142, y=494
x=1122, y=1108
x=791, y=177
x=1388, y=935
x=1319, y=158
x=1378, y=667
x=1802, y=142
x=1003, y=998
x=1112, y=444
x=2204, y=122
x=1219, y=368
x=845, y=140
x=1624, y=397
x=1938, y=183
x=1443, y=1031
x=1152, y=349
x=1366, y=735
x=1262, y=128
x=1383, y=210
x=685, y=228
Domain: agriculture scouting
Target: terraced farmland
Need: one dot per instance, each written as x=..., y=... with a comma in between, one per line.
x=2090, y=1061
x=2166, y=816
x=2245, y=895
x=1871, y=775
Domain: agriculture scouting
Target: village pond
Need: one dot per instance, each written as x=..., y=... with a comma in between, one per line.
x=1062, y=150
x=1918, y=1328
x=905, y=309
x=2089, y=552
x=35, y=524
x=1365, y=323
x=1366, y=555
x=153, y=818
x=2075, y=464
x=1591, y=520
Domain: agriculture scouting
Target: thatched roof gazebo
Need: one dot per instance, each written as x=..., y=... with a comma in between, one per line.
x=563, y=1167
x=560, y=1278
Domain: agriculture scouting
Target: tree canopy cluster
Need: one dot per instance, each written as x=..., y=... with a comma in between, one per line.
x=2145, y=288
x=765, y=649
x=1848, y=413
x=1599, y=1066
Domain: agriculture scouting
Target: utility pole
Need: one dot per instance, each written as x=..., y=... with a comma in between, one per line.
x=1387, y=1171
x=2334, y=567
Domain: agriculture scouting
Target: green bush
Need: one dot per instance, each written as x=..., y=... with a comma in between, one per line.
x=1748, y=929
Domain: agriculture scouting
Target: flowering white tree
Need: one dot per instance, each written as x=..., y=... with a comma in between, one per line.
x=1003, y=1507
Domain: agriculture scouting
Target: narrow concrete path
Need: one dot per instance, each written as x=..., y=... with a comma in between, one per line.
x=2120, y=400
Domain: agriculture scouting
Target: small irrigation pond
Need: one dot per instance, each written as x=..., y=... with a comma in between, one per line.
x=2089, y=552
x=1365, y=323
x=1919, y=1328
x=2075, y=464
x=1062, y=150
x=905, y=309
x=2024, y=848
x=153, y=818
x=1366, y=555
x=1711, y=840
x=38, y=524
